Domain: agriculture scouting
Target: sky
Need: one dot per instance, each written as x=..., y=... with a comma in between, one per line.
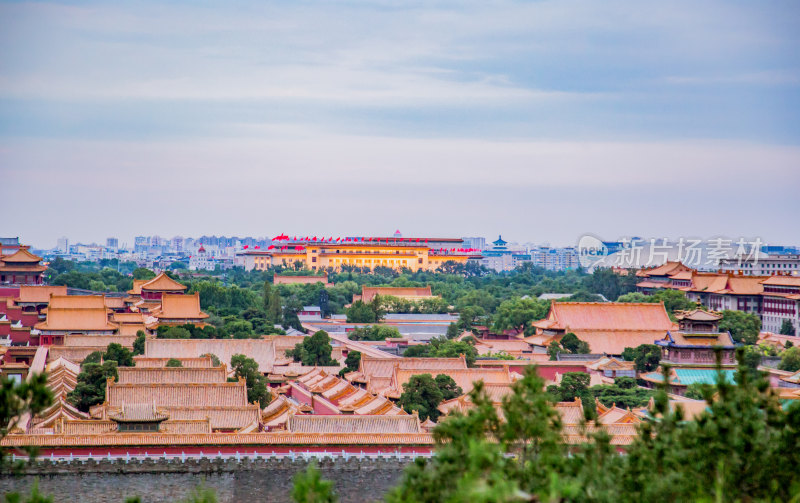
x=537, y=120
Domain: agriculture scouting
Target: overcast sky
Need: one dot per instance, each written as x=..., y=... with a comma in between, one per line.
x=538, y=120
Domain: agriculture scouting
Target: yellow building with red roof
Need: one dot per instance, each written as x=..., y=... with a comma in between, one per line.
x=362, y=252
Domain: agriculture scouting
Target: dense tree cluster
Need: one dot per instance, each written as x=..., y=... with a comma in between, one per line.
x=314, y=350
x=441, y=347
x=96, y=368
x=743, y=448
x=569, y=344
x=373, y=333
x=247, y=368
x=645, y=356
x=423, y=393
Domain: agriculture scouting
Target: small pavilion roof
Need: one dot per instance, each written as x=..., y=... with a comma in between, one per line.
x=163, y=283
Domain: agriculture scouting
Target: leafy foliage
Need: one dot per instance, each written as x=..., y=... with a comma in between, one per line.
x=790, y=359
x=569, y=344
x=247, y=368
x=441, y=347
x=744, y=327
x=787, y=328
x=374, y=333
x=646, y=357
x=744, y=448
x=314, y=350
x=363, y=312
x=91, y=387
x=138, y=343
x=17, y=398
x=623, y=393
x=174, y=362
x=351, y=363
x=423, y=393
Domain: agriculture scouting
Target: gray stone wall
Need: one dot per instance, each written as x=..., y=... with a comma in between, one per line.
x=159, y=480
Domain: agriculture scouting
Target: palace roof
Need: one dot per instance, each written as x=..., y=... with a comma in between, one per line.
x=667, y=269
x=138, y=413
x=171, y=375
x=180, y=306
x=686, y=376
x=137, y=286
x=77, y=312
x=608, y=327
x=698, y=340
x=342, y=395
x=782, y=281
x=196, y=362
x=77, y=302
x=377, y=373
x=78, y=340
x=224, y=394
x=571, y=316
x=697, y=315
x=39, y=294
x=106, y=427
x=21, y=256
x=328, y=424
x=261, y=350
x=163, y=283
x=464, y=378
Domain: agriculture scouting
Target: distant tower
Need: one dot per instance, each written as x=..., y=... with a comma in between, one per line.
x=112, y=243
x=62, y=244
x=398, y=234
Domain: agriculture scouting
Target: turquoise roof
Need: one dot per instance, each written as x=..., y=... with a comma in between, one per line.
x=686, y=377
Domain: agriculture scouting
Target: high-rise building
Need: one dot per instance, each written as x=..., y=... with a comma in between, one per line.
x=62, y=244
x=112, y=243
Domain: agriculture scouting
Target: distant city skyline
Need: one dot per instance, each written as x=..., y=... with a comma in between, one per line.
x=535, y=120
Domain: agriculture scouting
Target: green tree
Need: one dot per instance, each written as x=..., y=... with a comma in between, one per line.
x=790, y=359
x=138, y=343
x=122, y=355
x=786, y=327
x=314, y=350
x=449, y=388
x=18, y=398
x=518, y=314
x=573, y=385
x=573, y=345
x=744, y=327
x=174, y=362
x=422, y=394
x=646, y=357
x=91, y=387
x=275, y=308
x=351, y=363
x=373, y=333
x=247, y=368
x=142, y=273
x=310, y=487
x=360, y=312
x=623, y=393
